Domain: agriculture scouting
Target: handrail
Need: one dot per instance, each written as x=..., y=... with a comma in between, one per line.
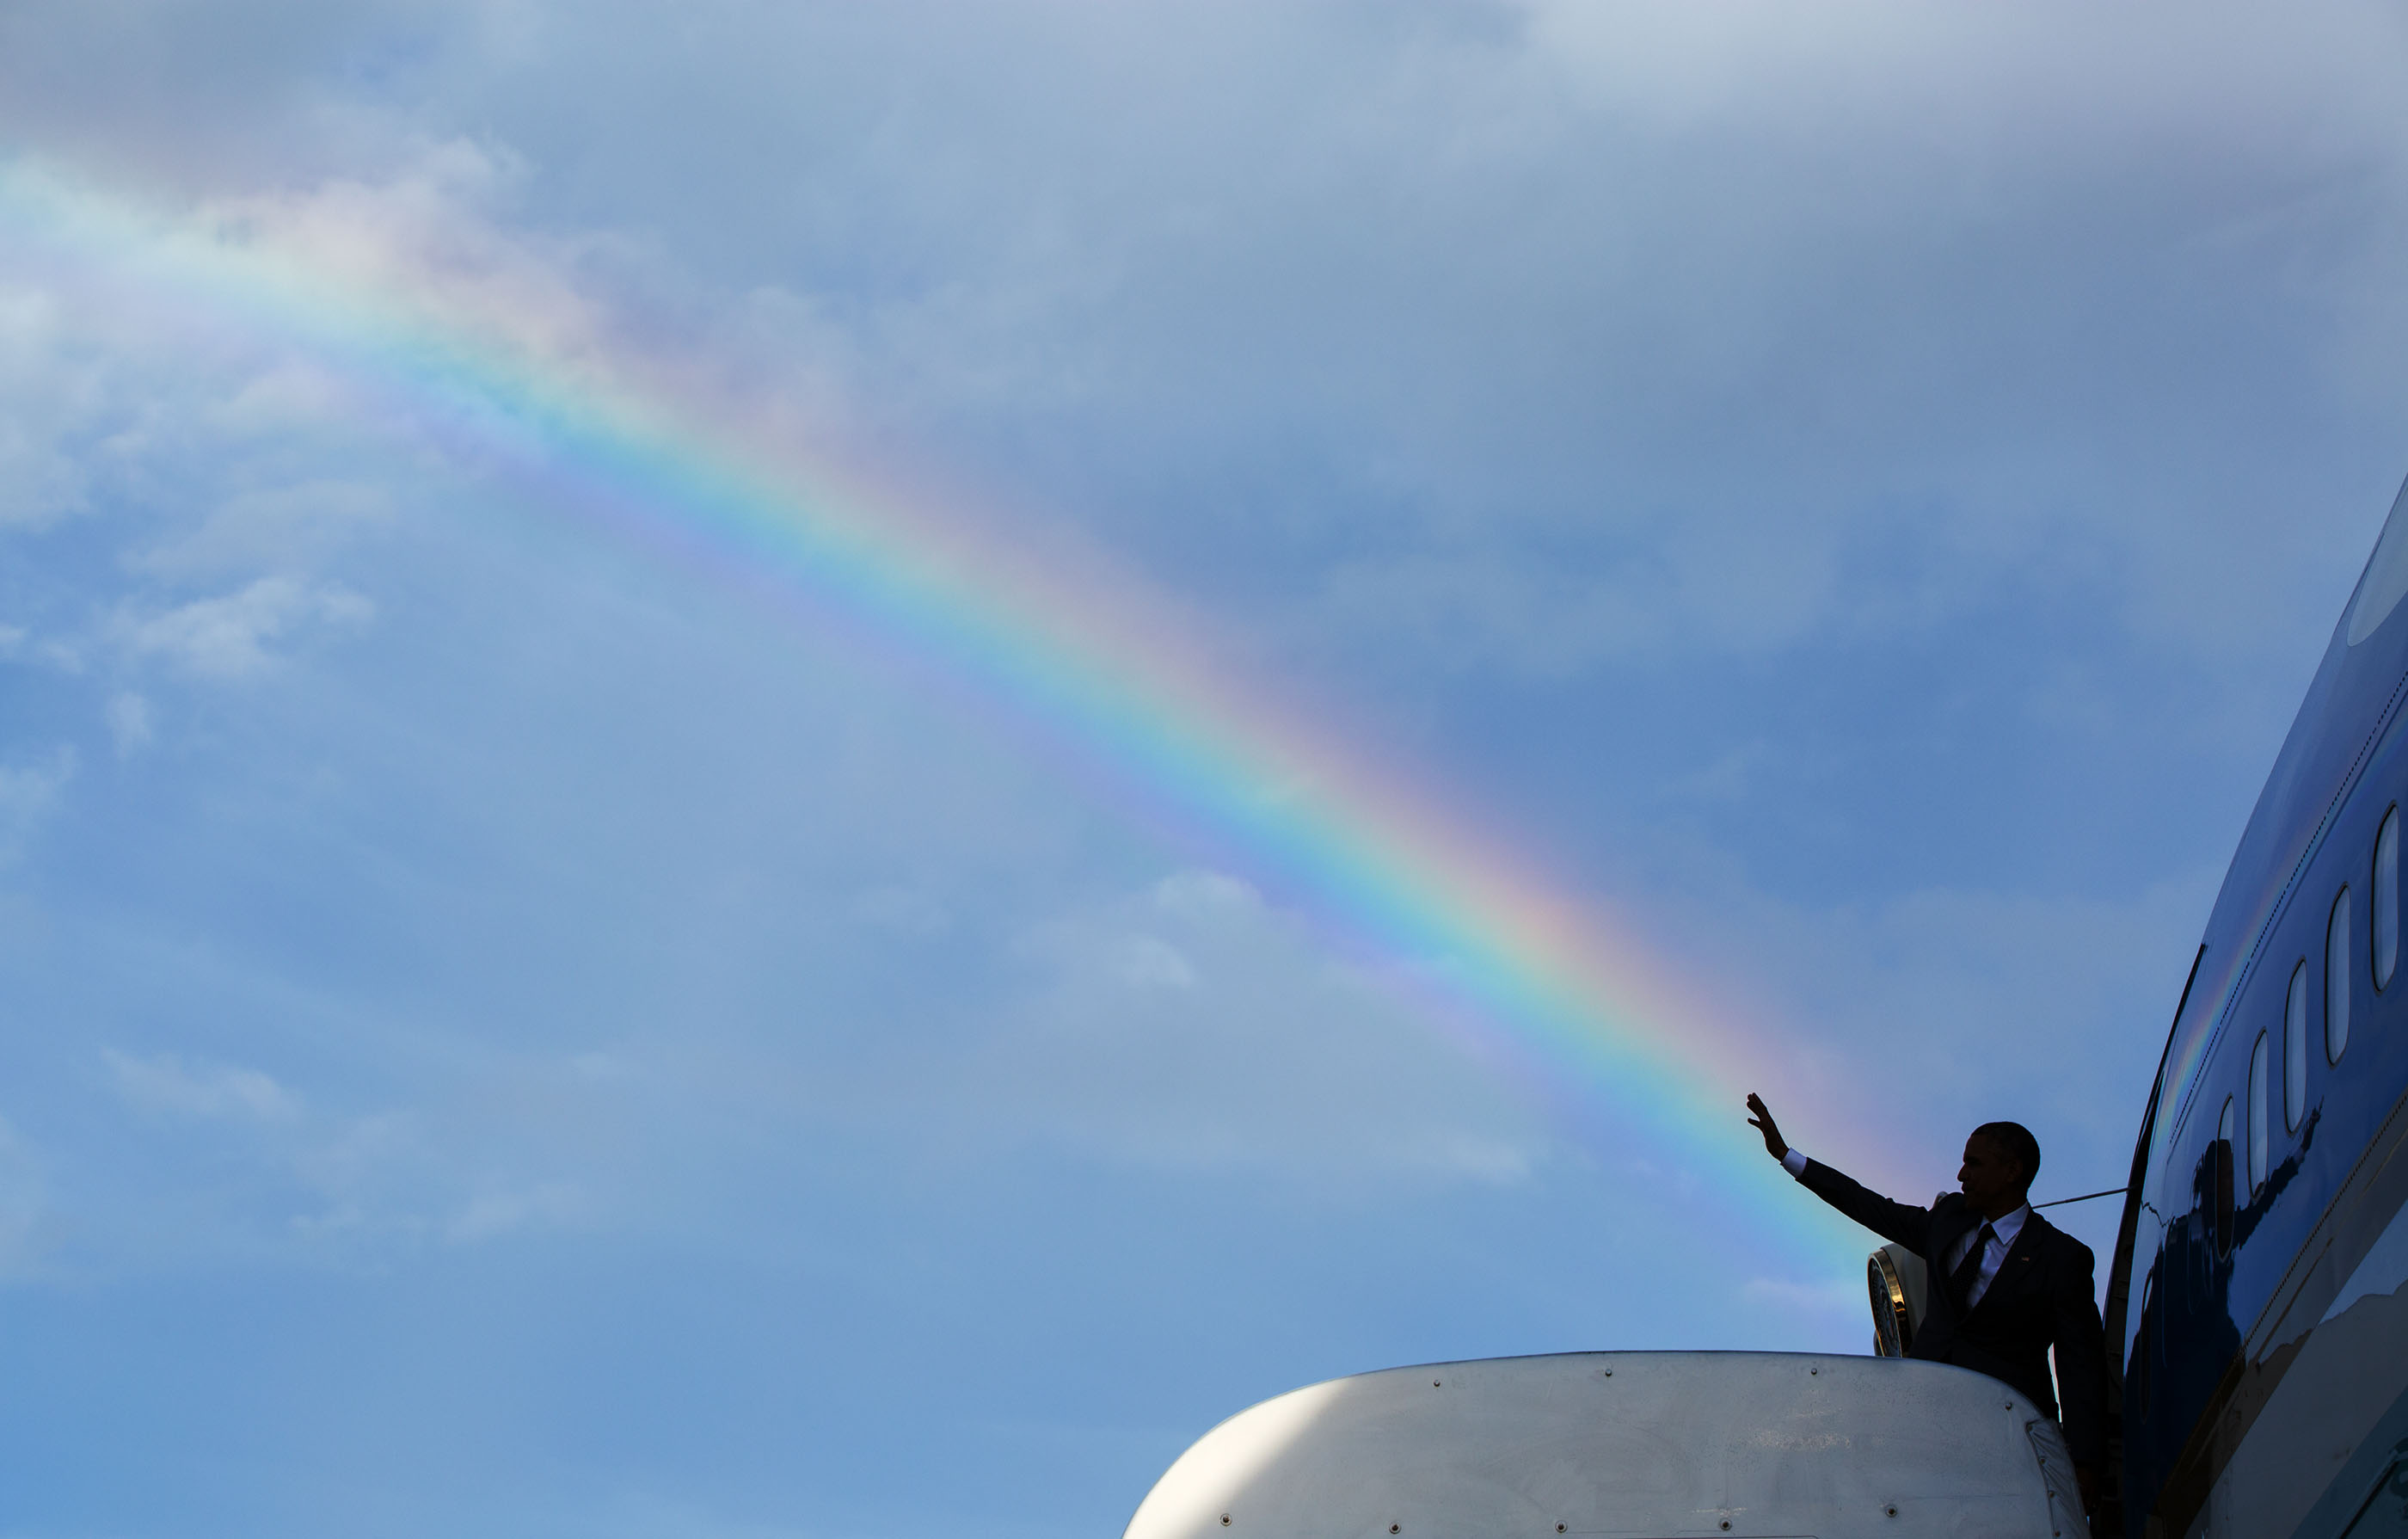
x=2112, y=1191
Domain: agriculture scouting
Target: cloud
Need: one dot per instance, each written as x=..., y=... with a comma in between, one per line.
x=29, y=796
x=491, y=1213
x=1691, y=371
x=129, y=721
x=297, y=526
x=1198, y=894
x=1187, y=1023
x=228, y=637
x=19, y=643
x=428, y=230
x=43, y=396
x=1147, y=961
x=165, y=1082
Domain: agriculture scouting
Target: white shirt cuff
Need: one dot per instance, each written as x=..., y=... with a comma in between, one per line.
x=1795, y=1162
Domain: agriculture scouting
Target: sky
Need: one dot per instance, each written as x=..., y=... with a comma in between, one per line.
x=812, y=770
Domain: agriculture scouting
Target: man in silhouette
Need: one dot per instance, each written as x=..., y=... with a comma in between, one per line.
x=2004, y=1284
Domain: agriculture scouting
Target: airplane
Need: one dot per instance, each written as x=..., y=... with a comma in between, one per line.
x=2257, y=1324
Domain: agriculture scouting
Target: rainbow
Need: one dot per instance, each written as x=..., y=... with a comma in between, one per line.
x=1545, y=984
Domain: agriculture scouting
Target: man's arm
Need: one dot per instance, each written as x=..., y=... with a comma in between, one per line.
x=1908, y=1226
x=2081, y=1347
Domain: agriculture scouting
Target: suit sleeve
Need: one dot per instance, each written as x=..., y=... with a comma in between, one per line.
x=1910, y=1227
x=2080, y=1343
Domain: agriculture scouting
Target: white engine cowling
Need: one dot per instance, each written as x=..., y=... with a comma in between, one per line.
x=1628, y=1442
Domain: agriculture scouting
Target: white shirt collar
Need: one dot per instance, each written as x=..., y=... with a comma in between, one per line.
x=2012, y=1225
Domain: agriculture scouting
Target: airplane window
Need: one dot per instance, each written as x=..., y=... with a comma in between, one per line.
x=2295, y=1050
x=2387, y=899
x=2257, y=1130
x=2220, y=1173
x=2337, y=979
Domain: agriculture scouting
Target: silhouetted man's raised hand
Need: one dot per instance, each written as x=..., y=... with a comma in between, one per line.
x=1762, y=1122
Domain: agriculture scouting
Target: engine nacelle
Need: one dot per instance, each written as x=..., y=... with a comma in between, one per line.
x=1628, y=1442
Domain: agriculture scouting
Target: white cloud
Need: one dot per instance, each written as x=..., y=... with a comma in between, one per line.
x=288, y=527
x=1195, y=893
x=432, y=237
x=44, y=395
x=18, y=642
x=228, y=637
x=29, y=795
x=1496, y=1161
x=372, y=1171
x=1845, y=65
x=1148, y=961
x=129, y=721
x=492, y=1214
x=165, y=1082
x=1187, y=1023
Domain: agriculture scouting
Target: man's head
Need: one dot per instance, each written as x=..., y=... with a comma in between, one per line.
x=2001, y=1160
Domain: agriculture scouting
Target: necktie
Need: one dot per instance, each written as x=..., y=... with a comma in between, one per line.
x=1960, y=1282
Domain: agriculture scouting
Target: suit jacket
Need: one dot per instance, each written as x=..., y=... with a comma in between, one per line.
x=2041, y=1297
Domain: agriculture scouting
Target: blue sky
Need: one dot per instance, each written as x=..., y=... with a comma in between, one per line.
x=508, y=1033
